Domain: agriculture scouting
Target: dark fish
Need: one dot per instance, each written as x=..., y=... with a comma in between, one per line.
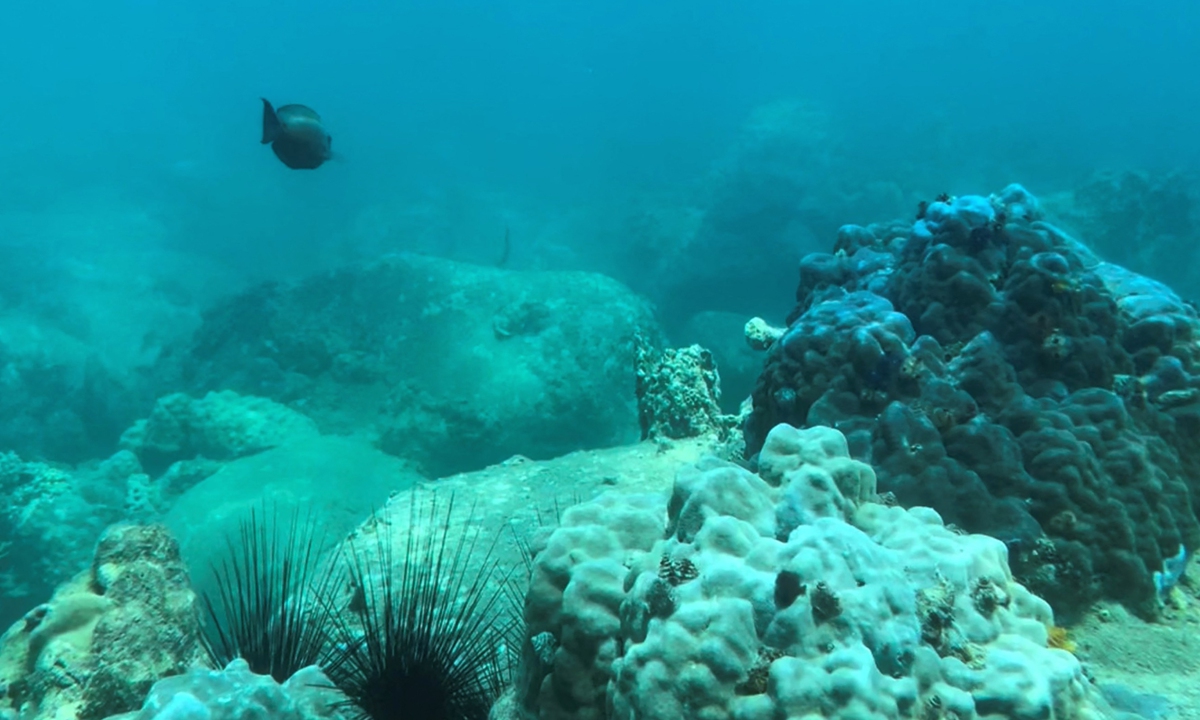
x=296, y=135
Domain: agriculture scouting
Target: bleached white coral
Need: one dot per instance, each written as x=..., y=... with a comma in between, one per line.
x=804, y=598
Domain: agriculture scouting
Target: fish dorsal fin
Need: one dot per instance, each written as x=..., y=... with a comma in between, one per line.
x=271, y=125
x=297, y=112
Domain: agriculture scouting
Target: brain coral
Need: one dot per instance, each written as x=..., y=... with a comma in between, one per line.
x=991, y=367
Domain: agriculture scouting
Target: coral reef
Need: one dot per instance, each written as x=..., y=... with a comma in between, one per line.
x=723, y=334
x=105, y=637
x=679, y=392
x=236, y=693
x=56, y=405
x=219, y=426
x=51, y=517
x=760, y=335
x=432, y=354
x=789, y=593
x=91, y=293
x=991, y=367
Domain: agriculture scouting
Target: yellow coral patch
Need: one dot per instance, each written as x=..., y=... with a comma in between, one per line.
x=1058, y=637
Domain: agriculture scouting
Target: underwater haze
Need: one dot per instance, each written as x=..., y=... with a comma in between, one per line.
x=131, y=129
x=800, y=359
x=571, y=103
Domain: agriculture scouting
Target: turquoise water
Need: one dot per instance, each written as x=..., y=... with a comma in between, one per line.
x=968, y=232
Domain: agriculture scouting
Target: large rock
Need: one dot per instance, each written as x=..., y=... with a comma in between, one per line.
x=334, y=481
x=519, y=501
x=454, y=366
x=219, y=426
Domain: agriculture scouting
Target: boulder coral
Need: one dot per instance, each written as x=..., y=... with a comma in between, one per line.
x=993, y=368
x=793, y=592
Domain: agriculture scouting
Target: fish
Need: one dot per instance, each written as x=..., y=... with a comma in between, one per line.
x=296, y=135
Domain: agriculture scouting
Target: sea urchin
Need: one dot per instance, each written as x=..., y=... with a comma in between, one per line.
x=434, y=637
x=267, y=607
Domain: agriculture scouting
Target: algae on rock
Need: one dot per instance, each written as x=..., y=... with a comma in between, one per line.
x=105, y=637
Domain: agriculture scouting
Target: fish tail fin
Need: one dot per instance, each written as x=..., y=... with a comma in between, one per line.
x=329, y=153
x=271, y=125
